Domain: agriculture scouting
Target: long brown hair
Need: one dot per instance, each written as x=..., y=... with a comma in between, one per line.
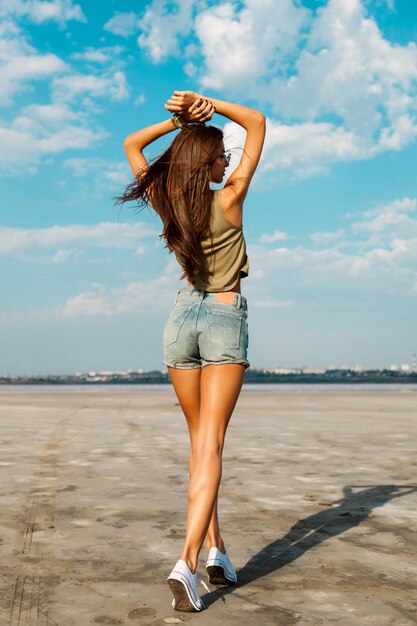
x=176, y=186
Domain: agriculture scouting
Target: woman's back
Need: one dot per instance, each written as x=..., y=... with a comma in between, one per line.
x=224, y=252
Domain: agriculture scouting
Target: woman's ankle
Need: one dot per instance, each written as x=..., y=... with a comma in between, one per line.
x=191, y=564
x=216, y=543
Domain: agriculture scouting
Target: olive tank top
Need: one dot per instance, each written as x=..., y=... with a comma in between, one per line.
x=224, y=253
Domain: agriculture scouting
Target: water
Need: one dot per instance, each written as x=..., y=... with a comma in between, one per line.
x=264, y=388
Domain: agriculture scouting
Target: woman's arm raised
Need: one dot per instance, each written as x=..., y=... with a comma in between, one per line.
x=136, y=142
x=252, y=121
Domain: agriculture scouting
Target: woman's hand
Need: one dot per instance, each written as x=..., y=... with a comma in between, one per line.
x=200, y=111
x=182, y=100
x=193, y=108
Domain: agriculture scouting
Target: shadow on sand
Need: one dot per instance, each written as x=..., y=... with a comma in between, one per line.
x=345, y=513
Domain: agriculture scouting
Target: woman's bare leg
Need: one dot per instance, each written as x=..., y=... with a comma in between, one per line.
x=220, y=386
x=186, y=384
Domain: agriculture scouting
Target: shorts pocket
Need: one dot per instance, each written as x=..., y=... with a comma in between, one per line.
x=174, y=324
x=225, y=329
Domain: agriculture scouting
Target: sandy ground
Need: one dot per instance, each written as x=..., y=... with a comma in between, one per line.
x=317, y=507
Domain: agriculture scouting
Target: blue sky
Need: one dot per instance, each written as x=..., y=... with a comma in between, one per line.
x=330, y=220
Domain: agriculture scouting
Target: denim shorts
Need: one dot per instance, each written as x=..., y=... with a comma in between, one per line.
x=201, y=331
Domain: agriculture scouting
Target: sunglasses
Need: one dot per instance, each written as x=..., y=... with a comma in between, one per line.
x=226, y=157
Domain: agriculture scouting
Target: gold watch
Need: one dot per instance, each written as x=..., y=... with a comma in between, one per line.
x=178, y=120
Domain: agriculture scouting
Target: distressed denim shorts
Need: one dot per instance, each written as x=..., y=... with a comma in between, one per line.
x=201, y=331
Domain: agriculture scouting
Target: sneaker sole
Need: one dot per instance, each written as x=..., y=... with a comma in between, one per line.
x=182, y=601
x=216, y=576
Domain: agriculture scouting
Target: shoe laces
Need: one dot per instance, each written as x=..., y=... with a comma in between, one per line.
x=204, y=584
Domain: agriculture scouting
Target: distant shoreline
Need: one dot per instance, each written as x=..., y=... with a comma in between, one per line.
x=252, y=376
x=167, y=383
x=291, y=388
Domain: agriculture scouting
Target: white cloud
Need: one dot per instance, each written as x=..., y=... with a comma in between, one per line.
x=251, y=41
x=346, y=60
x=20, y=63
x=140, y=100
x=303, y=149
x=63, y=256
x=339, y=90
x=190, y=69
x=389, y=4
x=309, y=147
x=378, y=251
x=388, y=222
x=82, y=166
x=41, y=130
x=74, y=237
x=100, y=300
x=399, y=134
x=103, y=55
x=122, y=24
x=162, y=25
x=283, y=277
x=277, y=235
x=154, y=295
x=59, y=10
x=39, y=11
x=118, y=173
x=327, y=237
x=348, y=69
x=70, y=87
x=52, y=114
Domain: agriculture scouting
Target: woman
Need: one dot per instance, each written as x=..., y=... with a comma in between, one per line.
x=205, y=338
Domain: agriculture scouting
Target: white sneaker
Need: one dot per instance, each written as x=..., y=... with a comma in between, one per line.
x=184, y=587
x=220, y=569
